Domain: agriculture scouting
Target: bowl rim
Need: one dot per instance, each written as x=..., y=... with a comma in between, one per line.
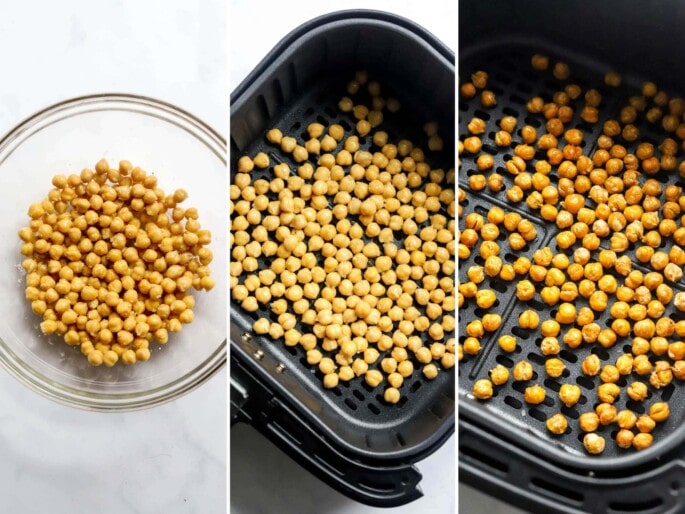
x=108, y=402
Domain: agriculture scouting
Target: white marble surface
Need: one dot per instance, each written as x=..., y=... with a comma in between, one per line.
x=263, y=480
x=171, y=458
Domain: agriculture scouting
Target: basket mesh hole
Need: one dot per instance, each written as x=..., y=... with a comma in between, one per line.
x=667, y=392
x=350, y=404
x=513, y=402
x=585, y=382
x=505, y=361
x=537, y=414
x=636, y=407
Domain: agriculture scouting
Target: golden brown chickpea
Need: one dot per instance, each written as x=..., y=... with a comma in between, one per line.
x=554, y=367
x=482, y=389
x=588, y=421
x=557, y=424
x=569, y=394
x=594, y=444
x=499, y=375
x=659, y=411
x=534, y=395
x=606, y=413
x=507, y=343
x=523, y=371
x=642, y=441
x=591, y=365
x=645, y=424
x=529, y=319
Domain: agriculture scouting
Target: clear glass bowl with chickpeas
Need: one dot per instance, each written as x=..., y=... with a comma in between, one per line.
x=112, y=272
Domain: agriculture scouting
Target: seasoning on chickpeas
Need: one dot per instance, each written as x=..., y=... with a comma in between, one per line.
x=610, y=216
x=111, y=261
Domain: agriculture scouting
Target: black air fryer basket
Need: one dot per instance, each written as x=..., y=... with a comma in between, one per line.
x=348, y=436
x=504, y=448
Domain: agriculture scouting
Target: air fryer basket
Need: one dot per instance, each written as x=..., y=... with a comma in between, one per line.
x=504, y=446
x=368, y=444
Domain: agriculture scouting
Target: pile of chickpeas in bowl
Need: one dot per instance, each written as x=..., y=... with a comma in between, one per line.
x=111, y=262
x=619, y=236
x=359, y=302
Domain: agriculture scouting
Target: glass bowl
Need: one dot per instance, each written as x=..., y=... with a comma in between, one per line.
x=182, y=152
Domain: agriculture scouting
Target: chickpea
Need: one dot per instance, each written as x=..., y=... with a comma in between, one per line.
x=642, y=441
x=523, y=371
x=499, y=375
x=534, y=395
x=482, y=389
x=591, y=365
x=588, y=421
x=569, y=394
x=529, y=319
x=557, y=424
x=594, y=444
x=659, y=411
x=507, y=343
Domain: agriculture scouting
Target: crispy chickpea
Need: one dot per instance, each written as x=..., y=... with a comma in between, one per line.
x=534, y=395
x=529, y=319
x=523, y=371
x=588, y=421
x=554, y=367
x=659, y=411
x=591, y=365
x=557, y=424
x=499, y=375
x=624, y=438
x=608, y=393
x=642, y=441
x=569, y=394
x=645, y=424
x=482, y=389
x=507, y=343
x=594, y=444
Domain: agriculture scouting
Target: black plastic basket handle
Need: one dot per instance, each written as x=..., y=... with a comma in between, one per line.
x=504, y=469
x=386, y=486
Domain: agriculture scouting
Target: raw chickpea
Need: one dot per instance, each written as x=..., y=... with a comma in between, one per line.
x=550, y=346
x=529, y=319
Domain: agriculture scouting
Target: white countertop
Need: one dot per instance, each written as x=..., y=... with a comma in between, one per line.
x=263, y=479
x=172, y=458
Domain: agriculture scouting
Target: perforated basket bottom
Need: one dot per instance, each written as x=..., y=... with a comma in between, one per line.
x=354, y=398
x=514, y=82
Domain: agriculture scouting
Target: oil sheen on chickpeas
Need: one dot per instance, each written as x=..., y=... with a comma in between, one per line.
x=361, y=302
